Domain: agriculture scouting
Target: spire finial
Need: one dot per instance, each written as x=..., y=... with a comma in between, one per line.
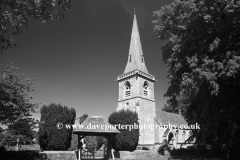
x=134, y=10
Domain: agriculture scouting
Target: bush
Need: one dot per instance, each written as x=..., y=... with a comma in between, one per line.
x=24, y=155
x=94, y=142
x=51, y=138
x=74, y=143
x=2, y=148
x=22, y=129
x=91, y=143
x=127, y=140
x=7, y=139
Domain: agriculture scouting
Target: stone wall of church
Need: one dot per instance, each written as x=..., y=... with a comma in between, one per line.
x=130, y=104
x=146, y=116
x=157, y=133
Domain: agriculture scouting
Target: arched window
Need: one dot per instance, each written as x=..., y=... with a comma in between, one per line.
x=146, y=89
x=127, y=89
x=170, y=137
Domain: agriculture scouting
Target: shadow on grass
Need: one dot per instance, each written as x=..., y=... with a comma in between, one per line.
x=23, y=155
x=192, y=154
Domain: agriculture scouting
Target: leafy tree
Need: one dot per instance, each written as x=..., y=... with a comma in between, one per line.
x=15, y=14
x=91, y=143
x=127, y=140
x=8, y=139
x=167, y=108
x=15, y=103
x=203, y=61
x=182, y=103
x=22, y=129
x=51, y=138
x=94, y=142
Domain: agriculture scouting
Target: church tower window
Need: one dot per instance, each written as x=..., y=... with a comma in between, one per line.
x=142, y=58
x=130, y=58
x=127, y=89
x=145, y=89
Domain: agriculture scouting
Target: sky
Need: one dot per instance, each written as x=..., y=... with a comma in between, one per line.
x=76, y=62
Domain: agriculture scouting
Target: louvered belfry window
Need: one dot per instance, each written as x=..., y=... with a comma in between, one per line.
x=145, y=89
x=127, y=89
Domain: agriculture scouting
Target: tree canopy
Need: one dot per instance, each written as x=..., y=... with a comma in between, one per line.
x=15, y=14
x=128, y=139
x=22, y=129
x=50, y=137
x=203, y=61
x=15, y=103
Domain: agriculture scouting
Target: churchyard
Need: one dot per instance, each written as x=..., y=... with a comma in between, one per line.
x=201, y=51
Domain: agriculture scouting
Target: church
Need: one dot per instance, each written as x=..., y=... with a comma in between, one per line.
x=136, y=93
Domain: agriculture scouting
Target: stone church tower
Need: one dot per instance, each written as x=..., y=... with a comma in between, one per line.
x=136, y=89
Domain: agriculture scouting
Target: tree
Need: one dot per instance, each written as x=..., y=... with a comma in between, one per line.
x=203, y=61
x=167, y=108
x=15, y=103
x=15, y=13
x=181, y=102
x=127, y=140
x=50, y=137
x=22, y=129
x=91, y=143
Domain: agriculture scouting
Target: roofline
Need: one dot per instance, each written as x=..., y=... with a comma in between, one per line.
x=134, y=72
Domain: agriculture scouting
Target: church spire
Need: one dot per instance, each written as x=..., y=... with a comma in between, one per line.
x=135, y=58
